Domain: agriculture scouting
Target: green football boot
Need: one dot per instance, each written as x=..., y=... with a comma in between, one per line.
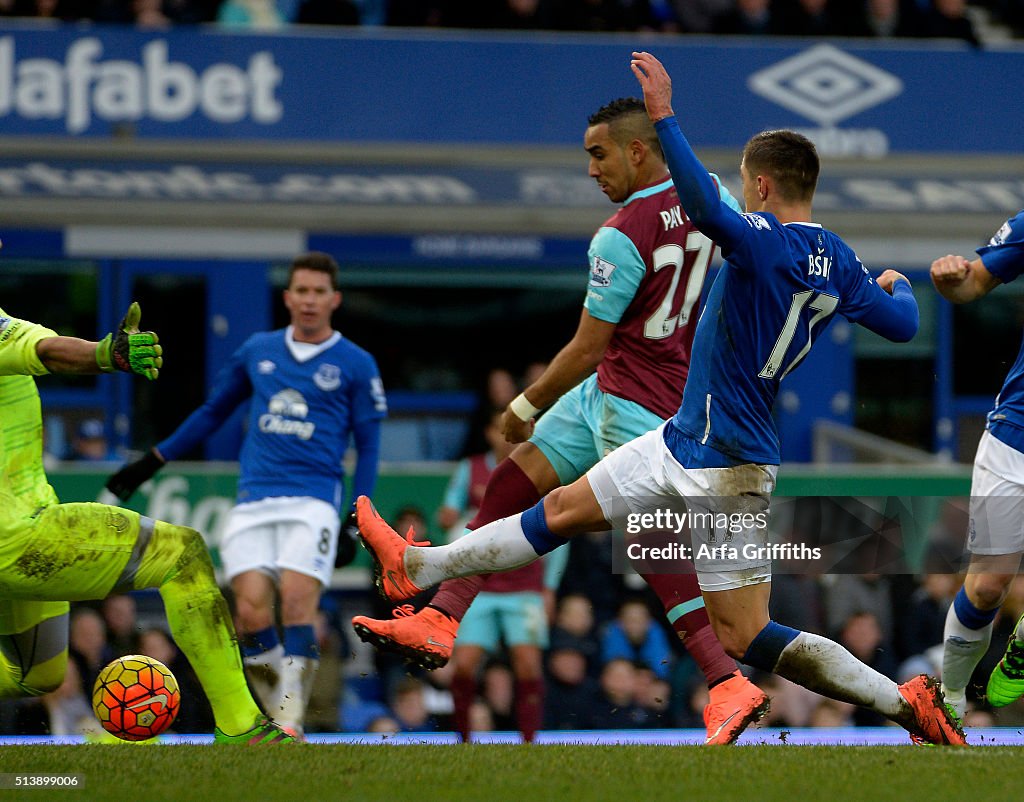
x=1006, y=683
x=264, y=733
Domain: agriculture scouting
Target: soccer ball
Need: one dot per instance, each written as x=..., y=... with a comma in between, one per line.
x=136, y=697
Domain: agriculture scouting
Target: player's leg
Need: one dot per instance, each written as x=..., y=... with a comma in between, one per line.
x=995, y=541
x=734, y=572
x=176, y=562
x=33, y=647
x=262, y=651
x=300, y=598
x=87, y=551
x=516, y=484
x=734, y=701
x=247, y=551
x=559, y=452
x=968, y=629
x=428, y=636
x=305, y=544
x=402, y=570
x=739, y=614
x=478, y=639
x=524, y=628
x=615, y=421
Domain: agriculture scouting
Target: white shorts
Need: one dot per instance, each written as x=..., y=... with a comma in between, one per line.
x=294, y=533
x=996, y=519
x=642, y=477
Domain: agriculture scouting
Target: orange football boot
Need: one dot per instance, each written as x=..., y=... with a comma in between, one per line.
x=733, y=706
x=934, y=724
x=425, y=638
x=387, y=548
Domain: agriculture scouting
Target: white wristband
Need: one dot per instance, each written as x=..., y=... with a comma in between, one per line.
x=522, y=408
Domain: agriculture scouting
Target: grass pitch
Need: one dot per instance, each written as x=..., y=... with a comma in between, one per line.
x=490, y=773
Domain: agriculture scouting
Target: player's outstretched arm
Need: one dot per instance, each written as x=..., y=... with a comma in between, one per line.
x=129, y=350
x=698, y=192
x=961, y=281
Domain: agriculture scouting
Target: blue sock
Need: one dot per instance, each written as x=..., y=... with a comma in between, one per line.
x=535, y=528
x=256, y=643
x=766, y=648
x=300, y=641
x=969, y=615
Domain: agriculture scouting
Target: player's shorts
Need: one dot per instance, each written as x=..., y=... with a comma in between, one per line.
x=66, y=552
x=642, y=477
x=296, y=533
x=584, y=425
x=996, y=518
x=517, y=619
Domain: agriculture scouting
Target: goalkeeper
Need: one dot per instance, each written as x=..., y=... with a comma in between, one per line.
x=53, y=553
x=311, y=391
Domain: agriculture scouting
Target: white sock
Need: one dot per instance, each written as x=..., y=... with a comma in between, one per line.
x=962, y=648
x=297, y=674
x=825, y=667
x=497, y=546
x=264, y=673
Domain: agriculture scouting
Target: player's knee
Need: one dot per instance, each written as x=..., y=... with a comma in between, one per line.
x=735, y=645
x=194, y=558
x=558, y=513
x=253, y=614
x=43, y=679
x=988, y=590
x=735, y=640
x=298, y=608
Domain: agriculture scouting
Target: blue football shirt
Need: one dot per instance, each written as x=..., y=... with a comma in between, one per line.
x=305, y=405
x=779, y=288
x=1003, y=257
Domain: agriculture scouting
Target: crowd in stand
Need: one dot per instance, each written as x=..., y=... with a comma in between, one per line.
x=866, y=18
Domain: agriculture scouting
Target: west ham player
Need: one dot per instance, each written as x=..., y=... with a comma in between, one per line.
x=311, y=390
x=995, y=533
x=51, y=552
x=783, y=281
x=647, y=267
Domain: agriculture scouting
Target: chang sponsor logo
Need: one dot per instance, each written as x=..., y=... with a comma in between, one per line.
x=84, y=88
x=827, y=85
x=283, y=410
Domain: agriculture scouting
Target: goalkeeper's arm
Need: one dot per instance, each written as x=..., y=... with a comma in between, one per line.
x=126, y=349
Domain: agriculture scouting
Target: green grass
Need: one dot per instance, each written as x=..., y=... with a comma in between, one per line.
x=486, y=773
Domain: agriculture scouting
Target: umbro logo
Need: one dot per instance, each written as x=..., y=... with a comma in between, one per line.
x=825, y=84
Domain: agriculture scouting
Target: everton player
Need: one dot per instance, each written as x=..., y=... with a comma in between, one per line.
x=995, y=537
x=311, y=390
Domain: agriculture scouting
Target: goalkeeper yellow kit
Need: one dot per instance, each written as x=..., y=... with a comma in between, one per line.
x=53, y=553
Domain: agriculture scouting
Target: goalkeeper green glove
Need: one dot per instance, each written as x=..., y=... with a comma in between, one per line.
x=129, y=349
